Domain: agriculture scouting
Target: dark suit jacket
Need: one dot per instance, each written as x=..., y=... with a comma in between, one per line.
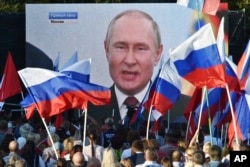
x=137, y=158
x=100, y=113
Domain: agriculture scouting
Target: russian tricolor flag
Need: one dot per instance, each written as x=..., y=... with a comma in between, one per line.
x=79, y=71
x=243, y=69
x=231, y=75
x=197, y=59
x=54, y=92
x=165, y=93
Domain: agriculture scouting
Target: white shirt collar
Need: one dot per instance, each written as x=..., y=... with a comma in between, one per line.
x=120, y=96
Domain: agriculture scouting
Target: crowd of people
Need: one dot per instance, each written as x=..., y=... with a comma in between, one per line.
x=27, y=144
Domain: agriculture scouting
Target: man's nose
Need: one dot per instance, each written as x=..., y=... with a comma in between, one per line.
x=130, y=57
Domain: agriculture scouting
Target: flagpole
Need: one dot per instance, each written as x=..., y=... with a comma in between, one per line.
x=233, y=118
x=209, y=116
x=52, y=142
x=198, y=13
x=189, y=118
x=84, y=128
x=22, y=99
x=202, y=103
x=149, y=118
x=222, y=131
x=168, y=120
x=225, y=140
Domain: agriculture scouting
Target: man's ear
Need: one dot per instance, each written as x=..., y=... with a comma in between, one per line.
x=158, y=54
x=106, y=48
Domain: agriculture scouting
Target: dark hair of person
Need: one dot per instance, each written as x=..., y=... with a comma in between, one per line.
x=28, y=152
x=92, y=138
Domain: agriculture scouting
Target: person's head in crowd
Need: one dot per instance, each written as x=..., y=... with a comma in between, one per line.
x=109, y=157
x=189, y=154
x=68, y=144
x=215, y=153
x=61, y=162
x=76, y=148
x=93, y=162
x=109, y=122
x=92, y=135
x=168, y=138
x=154, y=143
x=29, y=153
x=117, y=141
x=21, y=142
x=145, y=143
x=137, y=146
x=182, y=145
x=25, y=129
x=78, y=159
x=143, y=132
x=16, y=161
x=55, y=138
x=198, y=157
x=133, y=47
x=166, y=162
x=151, y=154
x=177, y=156
x=32, y=136
x=205, y=148
x=132, y=136
x=13, y=146
x=59, y=147
x=52, y=129
x=196, y=146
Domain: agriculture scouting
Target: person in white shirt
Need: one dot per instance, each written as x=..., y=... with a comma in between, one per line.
x=151, y=157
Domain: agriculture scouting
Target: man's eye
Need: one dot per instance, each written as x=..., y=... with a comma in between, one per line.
x=121, y=47
x=141, y=48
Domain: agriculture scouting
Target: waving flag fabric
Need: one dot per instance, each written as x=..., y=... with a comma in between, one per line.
x=56, y=63
x=72, y=60
x=226, y=116
x=206, y=6
x=145, y=98
x=10, y=84
x=242, y=117
x=231, y=75
x=54, y=92
x=243, y=69
x=221, y=41
x=29, y=105
x=165, y=93
x=197, y=59
x=189, y=113
x=79, y=71
x=216, y=104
